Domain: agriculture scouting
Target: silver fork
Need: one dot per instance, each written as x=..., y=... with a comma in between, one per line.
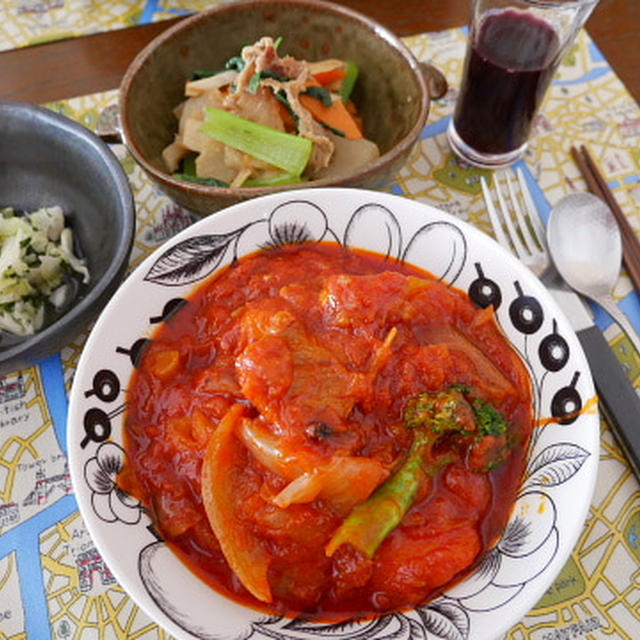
x=517, y=227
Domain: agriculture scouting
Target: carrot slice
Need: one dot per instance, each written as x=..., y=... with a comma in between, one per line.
x=330, y=76
x=336, y=116
x=242, y=550
x=287, y=119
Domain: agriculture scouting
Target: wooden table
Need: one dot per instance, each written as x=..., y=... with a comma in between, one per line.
x=84, y=65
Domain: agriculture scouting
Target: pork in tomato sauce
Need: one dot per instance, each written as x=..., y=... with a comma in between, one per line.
x=328, y=433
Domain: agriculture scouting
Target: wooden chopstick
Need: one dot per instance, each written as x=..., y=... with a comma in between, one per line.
x=598, y=186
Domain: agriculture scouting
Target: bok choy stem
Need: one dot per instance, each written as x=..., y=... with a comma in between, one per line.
x=288, y=152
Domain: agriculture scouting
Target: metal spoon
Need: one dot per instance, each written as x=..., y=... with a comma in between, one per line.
x=585, y=245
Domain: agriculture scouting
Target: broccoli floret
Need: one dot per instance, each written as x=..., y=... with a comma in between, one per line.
x=489, y=420
x=441, y=411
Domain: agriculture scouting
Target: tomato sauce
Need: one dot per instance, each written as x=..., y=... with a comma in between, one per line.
x=273, y=404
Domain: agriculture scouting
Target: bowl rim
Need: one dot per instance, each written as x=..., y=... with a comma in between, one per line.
x=401, y=147
x=563, y=534
x=110, y=278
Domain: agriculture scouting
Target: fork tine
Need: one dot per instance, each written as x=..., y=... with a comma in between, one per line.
x=493, y=214
x=519, y=248
x=532, y=210
x=529, y=241
x=514, y=228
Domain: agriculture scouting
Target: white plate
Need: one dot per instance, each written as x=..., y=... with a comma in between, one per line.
x=561, y=469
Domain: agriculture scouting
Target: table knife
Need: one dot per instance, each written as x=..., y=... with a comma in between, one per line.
x=618, y=399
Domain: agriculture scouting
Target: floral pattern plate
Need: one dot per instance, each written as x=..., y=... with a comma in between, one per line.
x=561, y=468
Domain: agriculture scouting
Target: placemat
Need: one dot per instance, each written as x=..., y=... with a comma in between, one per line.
x=28, y=22
x=53, y=582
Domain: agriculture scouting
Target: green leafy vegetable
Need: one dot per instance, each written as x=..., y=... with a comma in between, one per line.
x=282, y=97
x=254, y=82
x=208, y=182
x=333, y=130
x=198, y=74
x=189, y=164
x=288, y=152
x=320, y=93
x=349, y=80
x=236, y=63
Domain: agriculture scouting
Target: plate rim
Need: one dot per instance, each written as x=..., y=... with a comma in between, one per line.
x=223, y=219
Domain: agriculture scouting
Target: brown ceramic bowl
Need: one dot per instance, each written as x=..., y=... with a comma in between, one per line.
x=392, y=93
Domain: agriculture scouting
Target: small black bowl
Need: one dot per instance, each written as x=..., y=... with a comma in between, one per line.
x=47, y=159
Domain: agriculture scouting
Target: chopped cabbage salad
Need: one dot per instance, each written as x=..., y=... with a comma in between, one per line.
x=37, y=268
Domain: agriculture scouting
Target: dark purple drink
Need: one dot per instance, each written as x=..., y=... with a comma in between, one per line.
x=507, y=71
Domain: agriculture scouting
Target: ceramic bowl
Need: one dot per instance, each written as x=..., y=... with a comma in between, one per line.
x=47, y=159
x=392, y=93
x=556, y=488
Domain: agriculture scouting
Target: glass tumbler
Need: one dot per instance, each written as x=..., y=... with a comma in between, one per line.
x=514, y=49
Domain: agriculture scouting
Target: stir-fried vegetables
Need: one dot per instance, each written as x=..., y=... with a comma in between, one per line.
x=432, y=416
x=37, y=267
x=267, y=119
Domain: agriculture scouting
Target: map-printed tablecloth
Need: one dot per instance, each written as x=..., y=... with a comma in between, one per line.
x=28, y=22
x=53, y=582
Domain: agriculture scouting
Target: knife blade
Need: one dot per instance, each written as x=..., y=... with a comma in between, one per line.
x=618, y=399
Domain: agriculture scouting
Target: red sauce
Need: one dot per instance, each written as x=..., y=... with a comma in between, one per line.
x=322, y=349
